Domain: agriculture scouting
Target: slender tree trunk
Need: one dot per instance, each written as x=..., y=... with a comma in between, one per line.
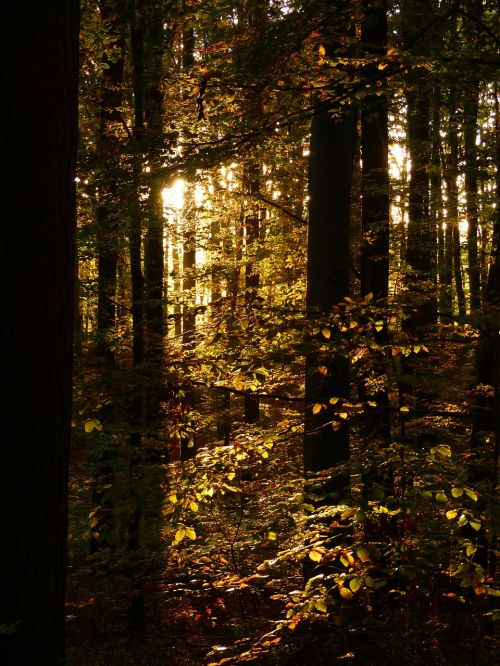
x=436, y=200
x=136, y=610
x=39, y=139
x=375, y=211
x=470, y=130
x=108, y=214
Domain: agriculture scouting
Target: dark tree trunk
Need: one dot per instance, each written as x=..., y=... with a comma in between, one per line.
x=471, y=106
x=421, y=239
x=189, y=235
x=375, y=212
x=452, y=204
x=108, y=214
x=136, y=611
x=436, y=200
x=331, y=158
x=39, y=117
x=252, y=276
x=470, y=129
x=421, y=236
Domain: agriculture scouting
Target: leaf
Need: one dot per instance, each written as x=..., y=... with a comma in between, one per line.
x=475, y=524
x=451, y=514
x=92, y=424
x=470, y=550
x=321, y=50
x=343, y=415
x=320, y=605
x=193, y=506
x=190, y=533
x=363, y=554
x=333, y=401
x=404, y=409
x=231, y=475
x=317, y=408
x=379, y=325
x=180, y=534
x=346, y=593
x=326, y=333
x=316, y=555
x=441, y=497
x=471, y=493
x=355, y=583
x=272, y=536
x=457, y=492
x=172, y=499
x=368, y=297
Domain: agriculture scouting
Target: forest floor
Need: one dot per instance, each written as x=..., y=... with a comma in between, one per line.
x=196, y=606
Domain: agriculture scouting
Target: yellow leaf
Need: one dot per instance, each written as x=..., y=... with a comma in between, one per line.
x=172, y=499
x=451, y=514
x=343, y=415
x=321, y=50
x=272, y=536
x=231, y=475
x=346, y=593
x=334, y=401
x=326, y=333
x=193, y=506
x=315, y=555
x=317, y=408
x=368, y=297
x=323, y=370
x=190, y=533
x=180, y=534
x=355, y=583
x=404, y=409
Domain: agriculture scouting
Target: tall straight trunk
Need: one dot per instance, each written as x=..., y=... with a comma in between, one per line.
x=136, y=611
x=252, y=276
x=421, y=238
x=375, y=211
x=189, y=234
x=108, y=214
x=436, y=199
x=421, y=242
x=332, y=146
x=256, y=15
x=452, y=205
x=471, y=106
x=39, y=116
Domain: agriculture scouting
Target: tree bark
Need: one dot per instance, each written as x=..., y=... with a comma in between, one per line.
x=331, y=158
x=39, y=121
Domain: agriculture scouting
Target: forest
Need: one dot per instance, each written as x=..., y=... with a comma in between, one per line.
x=251, y=333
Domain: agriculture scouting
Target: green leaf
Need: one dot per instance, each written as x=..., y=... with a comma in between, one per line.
x=470, y=550
x=355, y=583
x=441, y=497
x=363, y=553
x=320, y=605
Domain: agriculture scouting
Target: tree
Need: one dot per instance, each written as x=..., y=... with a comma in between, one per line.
x=328, y=267
x=39, y=117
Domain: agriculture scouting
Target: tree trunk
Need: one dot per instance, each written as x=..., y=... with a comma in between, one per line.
x=331, y=158
x=470, y=128
x=375, y=213
x=39, y=117
x=108, y=214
